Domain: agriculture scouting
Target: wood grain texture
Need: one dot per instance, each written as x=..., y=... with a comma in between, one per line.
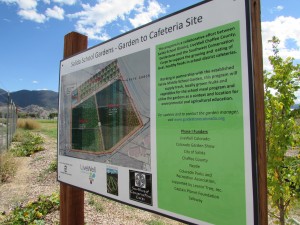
x=72, y=198
x=259, y=111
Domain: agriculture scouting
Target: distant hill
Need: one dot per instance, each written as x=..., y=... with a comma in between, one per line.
x=46, y=99
x=3, y=97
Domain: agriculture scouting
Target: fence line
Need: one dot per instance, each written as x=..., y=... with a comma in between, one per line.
x=8, y=123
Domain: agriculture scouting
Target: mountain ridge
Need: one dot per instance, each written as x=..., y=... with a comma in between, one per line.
x=44, y=98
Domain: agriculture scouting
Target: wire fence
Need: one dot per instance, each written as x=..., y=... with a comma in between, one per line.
x=8, y=124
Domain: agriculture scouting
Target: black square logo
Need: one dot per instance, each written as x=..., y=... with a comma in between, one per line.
x=140, y=187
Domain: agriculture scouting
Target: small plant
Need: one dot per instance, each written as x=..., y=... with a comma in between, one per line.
x=28, y=124
x=8, y=167
x=52, y=168
x=29, y=144
x=34, y=212
x=154, y=222
x=95, y=202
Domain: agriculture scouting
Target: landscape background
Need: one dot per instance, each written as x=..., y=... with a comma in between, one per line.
x=36, y=104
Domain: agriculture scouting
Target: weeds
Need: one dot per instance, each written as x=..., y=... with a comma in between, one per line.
x=154, y=222
x=29, y=143
x=94, y=201
x=52, y=168
x=34, y=212
x=28, y=124
x=8, y=166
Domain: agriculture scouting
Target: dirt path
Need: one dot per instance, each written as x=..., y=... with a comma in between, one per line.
x=31, y=179
x=14, y=192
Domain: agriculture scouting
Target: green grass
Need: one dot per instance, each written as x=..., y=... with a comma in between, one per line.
x=48, y=127
x=154, y=222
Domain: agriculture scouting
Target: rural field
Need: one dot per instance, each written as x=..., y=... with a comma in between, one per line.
x=29, y=192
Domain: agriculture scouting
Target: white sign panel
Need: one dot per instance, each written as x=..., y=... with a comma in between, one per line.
x=159, y=117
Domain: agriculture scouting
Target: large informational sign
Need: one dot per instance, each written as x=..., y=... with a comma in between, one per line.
x=160, y=117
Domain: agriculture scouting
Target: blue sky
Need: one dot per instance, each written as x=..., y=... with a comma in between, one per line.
x=32, y=32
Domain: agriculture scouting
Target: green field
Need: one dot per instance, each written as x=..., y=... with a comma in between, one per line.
x=48, y=127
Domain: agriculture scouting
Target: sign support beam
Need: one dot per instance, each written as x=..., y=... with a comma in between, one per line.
x=72, y=198
x=259, y=109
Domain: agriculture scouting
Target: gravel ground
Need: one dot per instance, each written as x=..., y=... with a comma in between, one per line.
x=32, y=179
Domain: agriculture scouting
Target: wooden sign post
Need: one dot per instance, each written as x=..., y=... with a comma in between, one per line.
x=259, y=111
x=72, y=198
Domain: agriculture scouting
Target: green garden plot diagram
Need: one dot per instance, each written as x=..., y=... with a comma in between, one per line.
x=103, y=114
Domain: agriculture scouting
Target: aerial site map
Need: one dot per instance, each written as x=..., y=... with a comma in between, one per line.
x=105, y=112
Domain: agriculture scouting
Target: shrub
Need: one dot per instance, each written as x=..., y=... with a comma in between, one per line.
x=53, y=166
x=28, y=124
x=29, y=144
x=8, y=166
x=34, y=212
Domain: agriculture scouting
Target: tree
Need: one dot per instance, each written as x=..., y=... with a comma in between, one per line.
x=282, y=132
x=53, y=115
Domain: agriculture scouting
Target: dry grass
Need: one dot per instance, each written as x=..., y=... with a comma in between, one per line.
x=28, y=124
x=8, y=166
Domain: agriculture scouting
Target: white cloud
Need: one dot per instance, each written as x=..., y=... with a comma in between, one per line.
x=35, y=82
x=285, y=28
x=276, y=9
x=27, y=4
x=146, y=15
x=32, y=14
x=23, y=4
x=93, y=19
x=27, y=10
x=124, y=29
x=65, y=2
x=93, y=32
x=56, y=13
x=9, y=1
x=279, y=7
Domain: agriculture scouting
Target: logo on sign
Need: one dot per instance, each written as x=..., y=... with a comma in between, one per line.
x=90, y=170
x=140, y=180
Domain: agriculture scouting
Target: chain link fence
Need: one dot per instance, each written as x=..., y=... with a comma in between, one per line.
x=8, y=124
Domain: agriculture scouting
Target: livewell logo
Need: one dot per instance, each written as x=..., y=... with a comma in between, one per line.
x=90, y=170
